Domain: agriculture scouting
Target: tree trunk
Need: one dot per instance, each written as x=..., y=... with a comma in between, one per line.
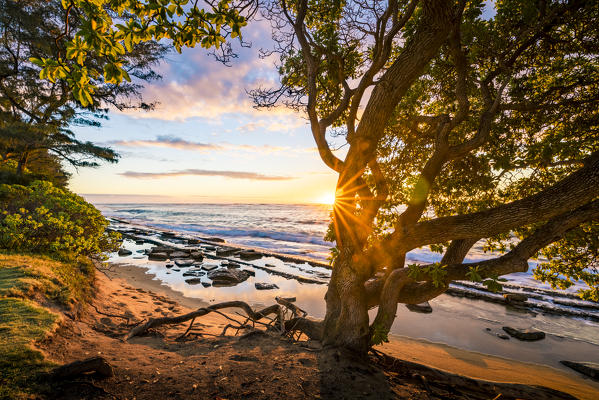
x=346, y=320
x=22, y=163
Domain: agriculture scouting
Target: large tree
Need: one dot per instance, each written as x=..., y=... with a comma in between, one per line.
x=458, y=127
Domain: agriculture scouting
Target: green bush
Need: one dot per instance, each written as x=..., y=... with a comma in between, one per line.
x=41, y=218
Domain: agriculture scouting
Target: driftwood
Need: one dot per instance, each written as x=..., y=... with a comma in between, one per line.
x=278, y=310
x=443, y=383
x=76, y=368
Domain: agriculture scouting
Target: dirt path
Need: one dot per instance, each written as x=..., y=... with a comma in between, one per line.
x=209, y=366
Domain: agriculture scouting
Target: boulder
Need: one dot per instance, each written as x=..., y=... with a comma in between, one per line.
x=158, y=256
x=265, y=286
x=227, y=276
x=230, y=265
x=179, y=254
x=249, y=255
x=225, y=251
x=515, y=297
x=587, y=368
x=423, y=308
x=124, y=252
x=209, y=267
x=193, y=281
x=197, y=255
x=529, y=335
x=184, y=263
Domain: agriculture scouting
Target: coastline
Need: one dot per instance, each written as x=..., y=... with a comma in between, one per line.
x=437, y=355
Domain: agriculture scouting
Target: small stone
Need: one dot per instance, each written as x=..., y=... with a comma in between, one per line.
x=193, y=281
x=124, y=252
x=225, y=251
x=206, y=284
x=179, y=254
x=209, y=267
x=503, y=336
x=184, y=263
x=157, y=256
x=231, y=265
x=209, y=248
x=140, y=241
x=587, y=368
x=169, y=265
x=270, y=265
x=423, y=308
x=524, y=334
x=265, y=286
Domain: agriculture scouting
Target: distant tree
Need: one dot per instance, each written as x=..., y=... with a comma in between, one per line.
x=458, y=128
x=36, y=114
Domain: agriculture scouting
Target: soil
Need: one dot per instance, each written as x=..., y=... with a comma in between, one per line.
x=206, y=365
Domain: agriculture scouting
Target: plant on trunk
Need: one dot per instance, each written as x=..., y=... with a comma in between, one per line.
x=459, y=127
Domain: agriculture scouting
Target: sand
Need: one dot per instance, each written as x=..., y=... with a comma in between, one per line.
x=210, y=366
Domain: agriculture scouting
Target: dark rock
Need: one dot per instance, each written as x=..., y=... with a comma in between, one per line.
x=158, y=256
x=227, y=277
x=206, y=284
x=503, y=336
x=209, y=248
x=270, y=265
x=225, y=251
x=515, y=297
x=586, y=368
x=197, y=255
x=162, y=249
x=265, y=286
x=424, y=308
x=124, y=252
x=141, y=251
x=176, y=269
x=214, y=239
x=184, y=263
x=169, y=265
x=524, y=334
x=209, y=267
x=193, y=281
x=249, y=272
x=231, y=265
x=249, y=255
x=194, y=272
x=193, y=241
x=179, y=254
x=140, y=241
x=168, y=234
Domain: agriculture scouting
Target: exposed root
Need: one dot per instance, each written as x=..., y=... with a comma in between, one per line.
x=284, y=308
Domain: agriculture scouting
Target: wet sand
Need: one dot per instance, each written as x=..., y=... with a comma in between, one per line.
x=441, y=356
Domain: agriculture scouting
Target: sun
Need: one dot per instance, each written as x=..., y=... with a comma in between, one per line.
x=328, y=198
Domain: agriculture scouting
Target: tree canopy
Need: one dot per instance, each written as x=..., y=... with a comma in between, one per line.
x=459, y=127
x=38, y=114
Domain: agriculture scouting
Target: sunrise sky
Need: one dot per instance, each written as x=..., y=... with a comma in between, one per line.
x=205, y=142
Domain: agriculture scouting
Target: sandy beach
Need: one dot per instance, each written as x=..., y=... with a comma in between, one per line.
x=125, y=278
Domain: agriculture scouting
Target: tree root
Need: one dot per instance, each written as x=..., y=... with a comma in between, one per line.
x=280, y=323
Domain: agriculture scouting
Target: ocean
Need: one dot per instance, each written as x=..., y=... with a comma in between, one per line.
x=469, y=318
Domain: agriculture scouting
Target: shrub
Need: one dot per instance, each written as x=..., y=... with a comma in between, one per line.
x=41, y=218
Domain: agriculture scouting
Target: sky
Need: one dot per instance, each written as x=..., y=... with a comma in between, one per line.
x=204, y=142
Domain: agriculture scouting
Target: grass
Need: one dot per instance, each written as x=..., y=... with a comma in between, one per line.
x=31, y=289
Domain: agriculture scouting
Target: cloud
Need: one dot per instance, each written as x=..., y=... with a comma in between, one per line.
x=171, y=142
x=205, y=172
x=182, y=144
